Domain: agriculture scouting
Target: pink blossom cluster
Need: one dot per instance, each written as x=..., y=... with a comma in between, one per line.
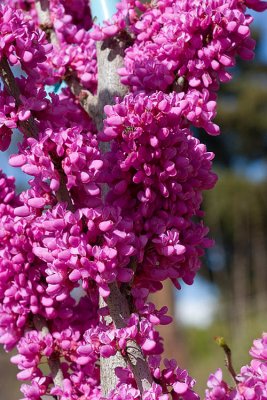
x=251, y=381
x=180, y=48
x=128, y=18
x=80, y=161
x=20, y=41
x=21, y=45
x=8, y=198
x=68, y=244
x=158, y=171
x=131, y=216
x=106, y=340
x=75, y=50
x=42, y=324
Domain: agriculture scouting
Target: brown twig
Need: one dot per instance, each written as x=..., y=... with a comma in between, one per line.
x=28, y=127
x=228, y=356
x=54, y=359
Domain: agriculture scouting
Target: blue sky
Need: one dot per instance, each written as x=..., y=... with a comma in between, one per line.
x=260, y=20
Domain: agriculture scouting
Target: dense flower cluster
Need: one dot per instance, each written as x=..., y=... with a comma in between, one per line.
x=23, y=45
x=130, y=216
x=251, y=381
x=177, y=46
x=75, y=50
x=8, y=197
x=80, y=161
x=158, y=173
x=27, y=305
x=20, y=41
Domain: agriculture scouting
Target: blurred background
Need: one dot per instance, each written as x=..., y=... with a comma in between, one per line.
x=229, y=297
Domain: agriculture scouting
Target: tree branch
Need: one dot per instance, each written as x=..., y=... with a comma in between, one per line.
x=108, y=377
x=42, y=9
x=228, y=356
x=28, y=127
x=119, y=311
x=54, y=359
x=110, y=55
x=109, y=58
x=86, y=99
